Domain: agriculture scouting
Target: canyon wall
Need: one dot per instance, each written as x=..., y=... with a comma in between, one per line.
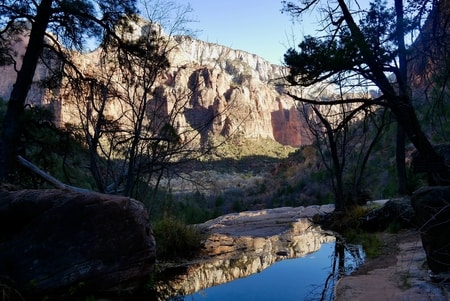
x=227, y=92
x=243, y=86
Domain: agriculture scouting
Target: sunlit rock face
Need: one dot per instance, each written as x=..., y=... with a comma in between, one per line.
x=239, y=88
x=245, y=243
x=37, y=95
x=225, y=91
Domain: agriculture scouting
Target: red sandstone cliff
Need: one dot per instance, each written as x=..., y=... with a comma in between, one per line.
x=236, y=86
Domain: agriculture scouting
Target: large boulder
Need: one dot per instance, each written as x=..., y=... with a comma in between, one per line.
x=398, y=212
x=432, y=207
x=56, y=243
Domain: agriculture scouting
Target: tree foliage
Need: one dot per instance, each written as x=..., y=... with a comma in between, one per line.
x=129, y=124
x=363, y=46
x=53, y=25
x=325, y=57
x=319, y=59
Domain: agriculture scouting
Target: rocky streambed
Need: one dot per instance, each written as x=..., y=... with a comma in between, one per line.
x=399, y=273
x=241, y=244
x=56, y=242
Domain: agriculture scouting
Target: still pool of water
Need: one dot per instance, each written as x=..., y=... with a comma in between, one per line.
x=312, y=277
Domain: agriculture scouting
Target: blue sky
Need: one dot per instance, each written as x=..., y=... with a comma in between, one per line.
x=254, y=26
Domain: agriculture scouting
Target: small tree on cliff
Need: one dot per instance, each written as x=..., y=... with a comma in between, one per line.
x=369, y=50
x=72, y=23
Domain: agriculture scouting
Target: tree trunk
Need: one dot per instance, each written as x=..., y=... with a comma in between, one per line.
x=336, y=168
x=12, y=124
x=402, y=79
x=402, y=181
x=93, y=141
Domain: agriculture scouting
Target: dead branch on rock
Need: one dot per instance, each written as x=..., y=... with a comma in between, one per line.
x=50, y=179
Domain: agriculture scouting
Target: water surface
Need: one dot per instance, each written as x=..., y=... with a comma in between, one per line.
x=311, y=277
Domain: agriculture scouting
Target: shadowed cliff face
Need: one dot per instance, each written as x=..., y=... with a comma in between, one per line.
x=429, y=59
x=228, y=91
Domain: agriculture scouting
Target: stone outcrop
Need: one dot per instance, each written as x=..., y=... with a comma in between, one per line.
x=58, y=243
x=432, y=207
x=394, y=212
x=241, y=244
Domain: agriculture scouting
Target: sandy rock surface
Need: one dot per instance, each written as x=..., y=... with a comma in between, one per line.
x=400, y=273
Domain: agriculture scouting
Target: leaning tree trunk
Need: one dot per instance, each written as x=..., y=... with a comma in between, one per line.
x=12, y=124
x=337, y=166
x=402, y=180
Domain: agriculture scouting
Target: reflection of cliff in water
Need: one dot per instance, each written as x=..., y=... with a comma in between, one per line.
x=229, y=257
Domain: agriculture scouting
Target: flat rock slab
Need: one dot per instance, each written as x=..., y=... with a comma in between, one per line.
x=264, y=223
x=286, y=230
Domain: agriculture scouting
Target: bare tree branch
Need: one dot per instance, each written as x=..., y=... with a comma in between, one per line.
x=50, y=179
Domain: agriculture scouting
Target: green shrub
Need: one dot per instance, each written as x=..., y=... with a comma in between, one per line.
x=193, y=213
x=370, y=241
x=349, y=225
x=176, y=240
x=394, y=227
